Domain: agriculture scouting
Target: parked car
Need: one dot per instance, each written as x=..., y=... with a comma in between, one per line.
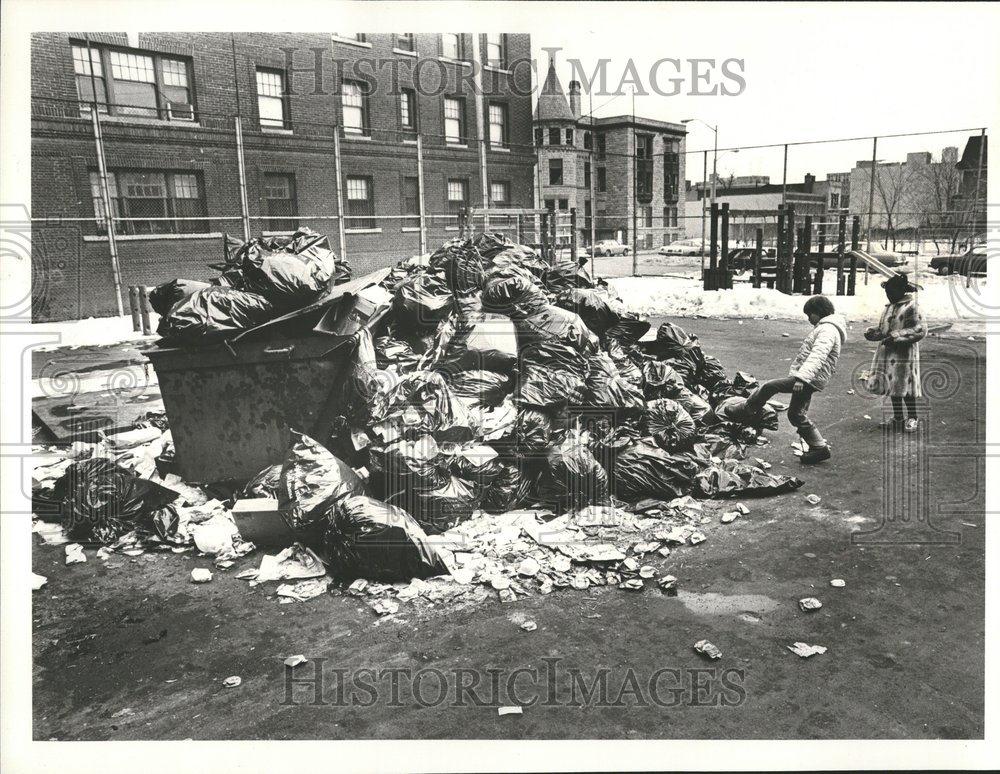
x=887, y=257
x=741, y=259
x=972, y=261
x=609, y=247
x=683, y=247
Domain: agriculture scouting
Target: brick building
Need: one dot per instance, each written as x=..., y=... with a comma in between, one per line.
x=593, y=164
x=169, y=102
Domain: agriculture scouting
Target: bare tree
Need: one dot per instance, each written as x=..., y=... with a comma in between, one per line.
x=939, y=185
x=893, y=187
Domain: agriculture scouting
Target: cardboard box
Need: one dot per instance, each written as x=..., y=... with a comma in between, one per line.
x=260, y=521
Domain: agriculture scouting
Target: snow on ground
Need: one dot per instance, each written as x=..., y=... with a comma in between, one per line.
x=941, y=299
x=92, y=332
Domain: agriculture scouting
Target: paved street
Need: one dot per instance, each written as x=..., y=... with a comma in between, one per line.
x=133, y=650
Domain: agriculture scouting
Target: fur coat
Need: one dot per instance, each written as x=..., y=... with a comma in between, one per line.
x=895, y=368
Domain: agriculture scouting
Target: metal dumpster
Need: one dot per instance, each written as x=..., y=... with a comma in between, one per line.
x=230, y=409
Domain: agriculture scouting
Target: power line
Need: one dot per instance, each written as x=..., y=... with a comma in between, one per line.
x=841, y=139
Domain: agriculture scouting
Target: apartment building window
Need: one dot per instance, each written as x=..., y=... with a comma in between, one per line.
x=498, y=125
x=451, y=46
x=555, y=172
x=586, y=174
x=644, y=167
x=588, y=141
x=408, y=112
x=555, y=136
x=647, y=217
x=133, y=83
x=671, y=172
x=602, y=146
x=602, y=179
x=271, y=98
x=834, y=201
x=569, y=136
x=587, y=215
x=539, y=137
x=454, y=119
x=648, y=241
x=279, y=202
x=354, y=99
x=673, y=217
x=154, y=195
x=564, y=204
x=500, y=193
x=496, y=50
x=458, y=196
x=550, y=205
x=405, y=41
x=360, y=37
x=360, y=203
x=411, y=202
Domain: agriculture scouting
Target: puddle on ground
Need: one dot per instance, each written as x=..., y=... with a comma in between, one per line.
x=748, y=606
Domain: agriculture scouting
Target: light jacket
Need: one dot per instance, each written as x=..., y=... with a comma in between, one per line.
x=817, y=357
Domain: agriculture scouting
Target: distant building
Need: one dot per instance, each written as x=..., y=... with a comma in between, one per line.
x=972, y=173
x=593, y=165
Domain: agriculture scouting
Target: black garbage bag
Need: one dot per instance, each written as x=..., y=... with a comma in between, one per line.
x=556, y=356
x=313, y=481
x=264, y=484
x=390, y=350
x=625, y=362
x=510, y=490
x=364, y=384
x=661, y=380
x=551, y=325
x=476, y=463
x=679, y=349
x=743, y=384
x=670, y=425
x=565, y=275
x=482, y=341
x=629, y=329
x=481, y=388
x=422, y=300
x=694, y=404
x=613, y=392
x=733, y=410
x=734, y=478
x=541, y=387
x=371, y=539
x=438, y=510
x=572, y=477
x=512, y=292
x=489, y=244
x=645, y=470
x=533, y=432
x=596, y=309
x=419, y=404
x=293, y=273
x=213, y=313
x=163, y=297
x=461, y=263
x=712, y=375
x=406, y=464
x=100, y=501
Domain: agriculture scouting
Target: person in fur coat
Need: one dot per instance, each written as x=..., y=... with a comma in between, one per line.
x=895, y=368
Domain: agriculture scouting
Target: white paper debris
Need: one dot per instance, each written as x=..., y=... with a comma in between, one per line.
x=813, y=499
x=232, y=681
x=74, y=554
x=37, y=581
x=809, y=604
x=804, y=650
x=294, y=563
x=501, y=711
x=838, y=583
x=200, y=575
x=529, y=626
x=294, y=661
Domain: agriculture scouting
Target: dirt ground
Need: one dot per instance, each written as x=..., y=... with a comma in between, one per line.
x=133, y=650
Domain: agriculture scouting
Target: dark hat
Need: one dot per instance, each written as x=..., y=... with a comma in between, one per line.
x=900, y=282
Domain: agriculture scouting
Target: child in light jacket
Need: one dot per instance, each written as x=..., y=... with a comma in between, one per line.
x=810, y=371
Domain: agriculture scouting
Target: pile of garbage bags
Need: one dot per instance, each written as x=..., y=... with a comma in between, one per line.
x=496, y=382
x=260, y=280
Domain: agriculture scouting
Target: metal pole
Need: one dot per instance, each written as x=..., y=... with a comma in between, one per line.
x=704, y=186
x=841, y=243
x=975, y=203
x=573, y=245
x=715, y=161
x=635, y=187
x=784, y=176
x=244, y=206
x=757, y=253
x=593, y=187
x=477, y=79
x=420, y=194
x=102, y=170
x=871, y=198
x=340, y=193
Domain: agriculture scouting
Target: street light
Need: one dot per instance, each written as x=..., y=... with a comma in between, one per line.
x=715, y=161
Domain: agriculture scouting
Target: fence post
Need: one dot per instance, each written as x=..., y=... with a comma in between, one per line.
x=572, y=232
x=242, y=174
x=545, y=234
x=554, y=235
x=102, y=170
x=821, y=249
x=779, y=246
x=420, y=194
x=841, y=244
x=340, y=193
x=133, y=302
x=855, y=239
x=757, y=254
x=724, y=240
x=805, y=260
x=147, y=326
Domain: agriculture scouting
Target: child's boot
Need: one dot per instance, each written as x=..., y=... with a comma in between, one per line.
x=815, y=454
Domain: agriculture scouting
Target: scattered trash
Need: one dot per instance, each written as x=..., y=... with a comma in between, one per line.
x=810, y=603
x=74, y=554
x=729, y=517
x=696, y=538
x=866, y=416
x=37, y=581
x=838, y=583
x=741, y=509
x=233, y=681
x=813, y=499
x=707, y=649
x=385, y=606
x=850, y=392
x=529, y=626
x=804, y=650
x=668, y=585
x=501, y=711
x=304, y=590
x=293, y=661
x=200, y=575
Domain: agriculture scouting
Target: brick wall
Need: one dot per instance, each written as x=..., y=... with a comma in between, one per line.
x=75, y=257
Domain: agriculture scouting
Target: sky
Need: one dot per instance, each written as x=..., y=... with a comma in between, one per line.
x=812, y=71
